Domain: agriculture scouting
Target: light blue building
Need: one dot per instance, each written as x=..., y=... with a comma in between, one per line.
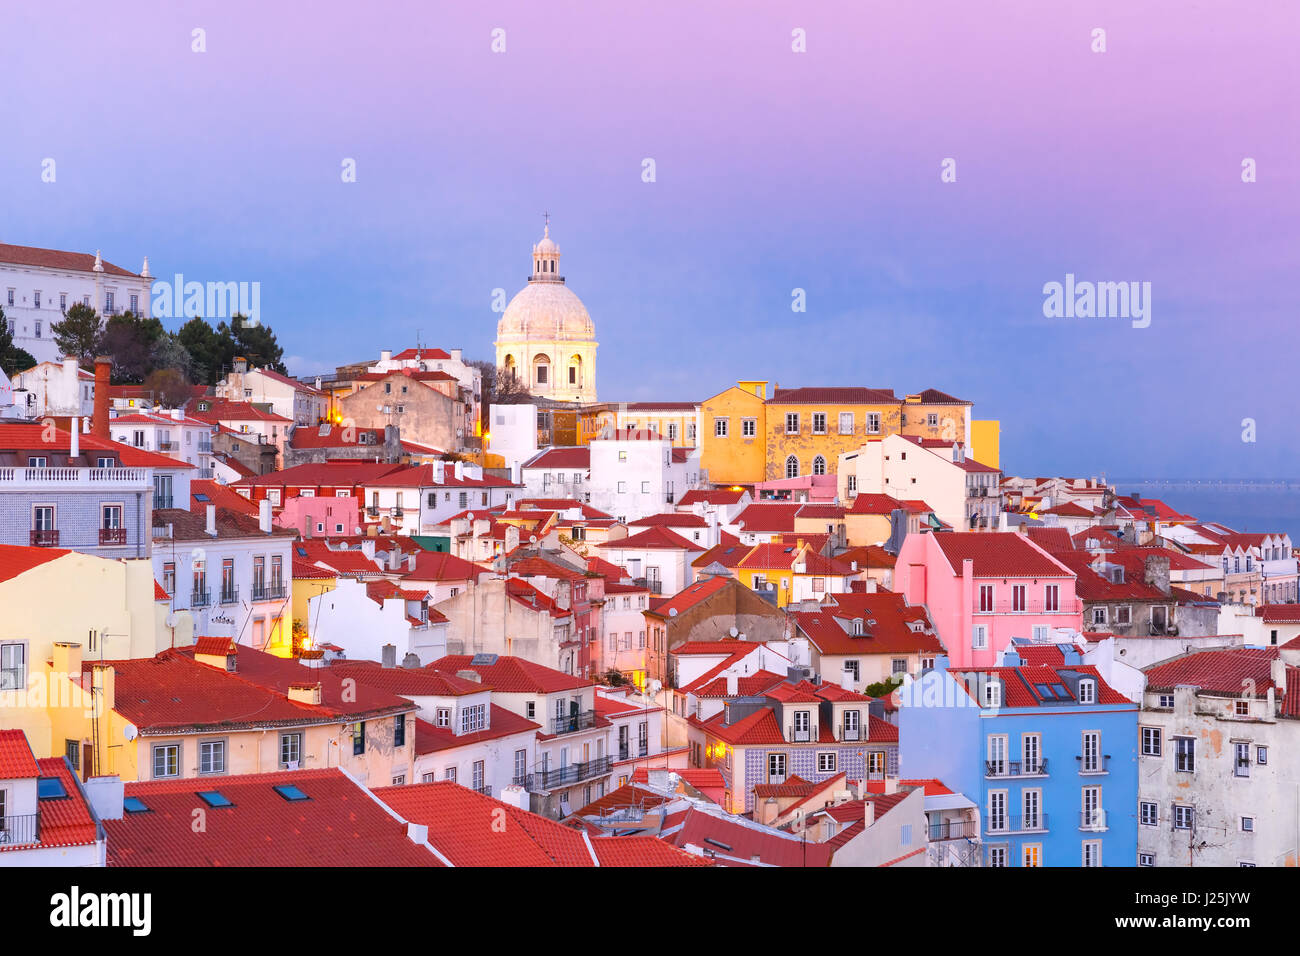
x=1048, y=750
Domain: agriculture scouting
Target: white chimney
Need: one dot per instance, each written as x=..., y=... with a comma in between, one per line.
x=460, y=470
x=869, y=813
x=386, y=355
x=263, y=515
x=733, y=685
x=74, y=445
x=212, y=521
x=515, y=796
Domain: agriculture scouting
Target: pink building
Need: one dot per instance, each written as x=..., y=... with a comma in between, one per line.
x=983, y=589
x=317, y=517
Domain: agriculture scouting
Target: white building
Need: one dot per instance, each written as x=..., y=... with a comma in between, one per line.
x=57, y=389
x=656, y=557
x=635, y=474
x=230, y=571
x=39, y=285
x=301, y=404
x=172, y=433
x=40, y=804
x=1218, y=781
x=364, y=617
x=512, y=434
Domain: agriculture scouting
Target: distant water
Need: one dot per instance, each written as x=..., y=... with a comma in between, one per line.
x=1247, y=505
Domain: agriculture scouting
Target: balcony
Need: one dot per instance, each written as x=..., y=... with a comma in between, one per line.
x=572, y=723
x=74, y=479
x=1092, y=821
x=269, y=592
x=230, y=595
x=853, y=733
x=205, y=448
x=397, y=512
x=112, y=536
x=162, y=501
x=1016, y=768
x=20, y=829
x=564, y=776
x=669, y=498
x=802, y=736
x=1098, y=765
x=201, y=599
x=48, y=538
x=653, y=585
x=373, y=511
x=954, y=830
x=1017, y=824
x=1030, y=607
x=168, y=445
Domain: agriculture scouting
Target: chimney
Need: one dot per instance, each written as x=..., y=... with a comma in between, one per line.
x=869, y=813
x=67, y=659
x=386, y=355
x=733, y=685
x=305, y=693
x=106, y=796
x=212, y=521
x=459, y=470
x=456, y=354
x=308, y=526
x=103, y=368
x=104, y=678
x=74, y=443
x=388, y=655
x=1276, y=673
x=264, y=516
x=475, y=676
x=516, y=796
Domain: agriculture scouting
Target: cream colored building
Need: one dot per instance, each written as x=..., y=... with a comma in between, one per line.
x=545, y=337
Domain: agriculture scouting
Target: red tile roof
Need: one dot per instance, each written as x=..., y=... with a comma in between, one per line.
x=30, y=436
x=853, y=395
x=723, y=648
x=325, y=474
x=16, y=759
x=220, y=410
x=1219, y=671
x=886, y=619
x=35, y=257
x=743, y=841
x=65, y=821
x=430, y=738
x=222, y=496
x=335, y=436
x=1019, y=683
x=575, y=457
x=717, y=496
x=767, y=518
x=16, y=559
x=932, y=396
x=339, y=824
x=513, y=675
x=421, y=354
x=422, y=476
x=443, y=566
x=728, y=552
x=691, y=595
x=1277, y=613
x=698, y=777
x=674, y=519
x=998, y=554
x=652, y=539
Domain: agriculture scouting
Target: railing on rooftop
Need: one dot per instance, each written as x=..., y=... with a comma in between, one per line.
x=72, y=476
x=20, y=829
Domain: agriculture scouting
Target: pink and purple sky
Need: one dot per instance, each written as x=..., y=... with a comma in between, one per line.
x=775, y=171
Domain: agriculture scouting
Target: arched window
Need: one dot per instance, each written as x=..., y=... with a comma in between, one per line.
x=819, y=465
x=792, y=467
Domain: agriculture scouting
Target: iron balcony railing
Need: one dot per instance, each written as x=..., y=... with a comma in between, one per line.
x=1017, y=823
x=45, y=539
x=953, y=830
x=1095, y=763
x=564, y=776
x=624, y=753
x=20, y=829
x=109, y=536
x=653, y=585
x=201, y=599
x=269, y=592
x=1038, y=606
x=1016, y=768
x=572, y=723
x=1092, y=819
x=230, y=595
x=799, y=736
x=486, y=789
x=850, y=733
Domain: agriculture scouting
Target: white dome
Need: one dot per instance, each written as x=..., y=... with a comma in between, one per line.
x=545, y=311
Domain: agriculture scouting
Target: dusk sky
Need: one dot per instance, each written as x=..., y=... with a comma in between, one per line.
x=775, y=170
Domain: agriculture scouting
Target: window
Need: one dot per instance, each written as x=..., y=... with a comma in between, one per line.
x=997, y=810
x=997, y=856
x=1241, y=765
x=819, y=465
x=1123, y=615
x=802, y=724
x=167, y=760
x=1052, y=597
x=853, y=668
x=1184, y=817
x=1148, y=814
x=748, y=427
x=826, y=763
x=819, y=423
x=169, y=578
x=212, y=756
x=1241, y=708
x=873, y=423
x=1017, y=597
x=1146, y=859
x=1092, y=853
x=476, y=775
x=997, y=755
x=792, y=423
x=932, y=420
x=43, y=518
x=898, y=665
x=993, y=694
x=13, y=666
x=1261, y=755
x=776, y=768
x=530, y=709
x=1099, y=615
x=986, y=597
x=792, y=467
x=672, y=431
x=521, y=765
x=1247, y=824
x=979, y=637
x=1091, y=755
x=1033, y=855
x=1151, y=741
x=1031, y=749
x=474, y=718
x=290, y=751
x=358, y=738
x=450, y=774
x=846, y=423
x=1031, y=802
x=1087, y=692
x=1167, y=701
x=720, y=428
x=1185, y=754
x=399, y=730
x=645, y=487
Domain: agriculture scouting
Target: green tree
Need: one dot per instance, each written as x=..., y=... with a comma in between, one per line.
x=131, y=340
x=257, y=344
x=77, y=335
x=170, y=353
x=12, y=358
x=204, y=348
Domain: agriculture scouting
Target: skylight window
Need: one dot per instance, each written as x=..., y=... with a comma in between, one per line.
x=290, y=792
x=214, y=798
x=135, y=805
x=50, y=788
x=201, y=497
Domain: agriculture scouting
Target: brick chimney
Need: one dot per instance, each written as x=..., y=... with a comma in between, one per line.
x=99, y=426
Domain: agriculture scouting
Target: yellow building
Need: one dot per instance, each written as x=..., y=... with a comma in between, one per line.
x=933, y=414
x=732, y=439
x=985, y=443
x=309, y=581
x=809, y=428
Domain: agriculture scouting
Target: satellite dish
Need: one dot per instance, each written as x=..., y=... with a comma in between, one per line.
x=172, y=619
x=130, y=732
x=469, y=515
x=357, y=529
x=672, y=612
x=732, y=631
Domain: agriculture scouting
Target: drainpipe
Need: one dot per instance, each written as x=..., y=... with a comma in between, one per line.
x=139, y=524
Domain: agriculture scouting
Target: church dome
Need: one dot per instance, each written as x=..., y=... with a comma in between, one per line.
x=545, y=310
